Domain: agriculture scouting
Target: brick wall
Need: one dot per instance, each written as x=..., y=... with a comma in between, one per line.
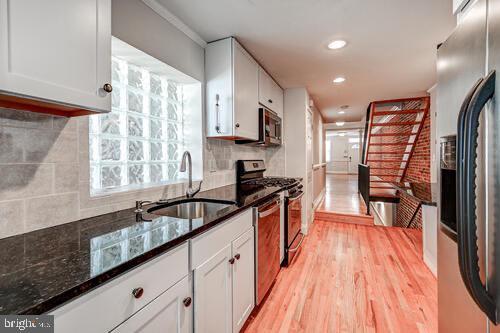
x=408, y=205
x=419, y=168
x=404, y=212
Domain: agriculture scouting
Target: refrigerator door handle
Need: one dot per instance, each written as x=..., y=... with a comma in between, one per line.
x=466, y=204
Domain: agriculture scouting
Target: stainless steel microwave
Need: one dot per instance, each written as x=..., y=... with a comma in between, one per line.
x=270, y=129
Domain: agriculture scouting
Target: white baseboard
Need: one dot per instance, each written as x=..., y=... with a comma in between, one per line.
x=318, y=199
x=430, y=262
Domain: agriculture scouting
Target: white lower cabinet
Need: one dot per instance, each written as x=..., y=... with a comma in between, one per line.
x=212, y=287
x=224, y=276
x=243, y=279
x=171, y=312
x=159, y=296
x=104, y=308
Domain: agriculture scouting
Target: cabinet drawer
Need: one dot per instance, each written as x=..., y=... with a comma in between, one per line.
x=171, y=312
x=109, y=305
x=210, y=243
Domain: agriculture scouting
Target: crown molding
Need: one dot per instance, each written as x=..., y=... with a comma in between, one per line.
x=175, y=21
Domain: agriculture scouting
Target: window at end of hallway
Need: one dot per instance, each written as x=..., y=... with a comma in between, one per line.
x=156, y=115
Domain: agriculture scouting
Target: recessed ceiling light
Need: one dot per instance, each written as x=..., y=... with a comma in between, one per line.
x=341, y=112
x=340, y=123
x=339, y=79
x=337, y=44
x=341, y=134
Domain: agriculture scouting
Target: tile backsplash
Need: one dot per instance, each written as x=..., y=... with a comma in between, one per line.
x=44, y=168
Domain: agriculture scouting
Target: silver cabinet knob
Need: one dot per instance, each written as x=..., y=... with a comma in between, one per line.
x=107, y=88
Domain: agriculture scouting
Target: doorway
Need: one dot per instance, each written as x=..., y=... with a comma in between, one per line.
x=343, y=152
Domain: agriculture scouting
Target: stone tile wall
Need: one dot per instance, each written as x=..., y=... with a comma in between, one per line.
x=44, y=172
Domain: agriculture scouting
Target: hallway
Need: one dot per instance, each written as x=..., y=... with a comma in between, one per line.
x=353, y=278
x=341, y=195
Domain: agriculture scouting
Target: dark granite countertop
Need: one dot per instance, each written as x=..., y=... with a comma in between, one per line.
x=43, y=269
x=425, y=193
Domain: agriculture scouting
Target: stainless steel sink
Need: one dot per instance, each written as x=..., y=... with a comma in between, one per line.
x=191, y=208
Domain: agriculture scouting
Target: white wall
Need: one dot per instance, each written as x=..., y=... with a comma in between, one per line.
x=138, y=25
x=296, y=100
x=296, y=105
x=434, y=142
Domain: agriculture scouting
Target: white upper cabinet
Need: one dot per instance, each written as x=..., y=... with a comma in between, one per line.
x=270, y=93
x=232, y=91
x=57, y=51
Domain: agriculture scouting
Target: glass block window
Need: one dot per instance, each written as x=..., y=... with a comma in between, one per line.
x=140, y=142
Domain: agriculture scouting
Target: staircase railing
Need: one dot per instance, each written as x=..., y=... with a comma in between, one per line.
x=414, y=215
x=365, y=134
x=364, y=184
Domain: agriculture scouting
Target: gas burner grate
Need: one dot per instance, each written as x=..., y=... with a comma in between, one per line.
x=272, y=181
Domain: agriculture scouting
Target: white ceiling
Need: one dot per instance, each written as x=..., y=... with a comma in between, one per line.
x=391, y=51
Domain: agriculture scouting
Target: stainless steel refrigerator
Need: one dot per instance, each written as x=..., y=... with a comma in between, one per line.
x=468, y=107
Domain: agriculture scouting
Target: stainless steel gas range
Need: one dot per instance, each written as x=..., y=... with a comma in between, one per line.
x=250, y=175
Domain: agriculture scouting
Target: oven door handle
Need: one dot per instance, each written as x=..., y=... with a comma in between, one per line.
x=292, y=199
x=298, y=245
x=275, y=207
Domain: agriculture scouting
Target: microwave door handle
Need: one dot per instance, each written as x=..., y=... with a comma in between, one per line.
x=466, y=218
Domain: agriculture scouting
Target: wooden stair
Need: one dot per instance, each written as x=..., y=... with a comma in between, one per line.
x=392, y=134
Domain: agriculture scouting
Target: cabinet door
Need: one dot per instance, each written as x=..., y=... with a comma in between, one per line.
x=57, y=50
x=170, y=312
x=219, y=92
x=265, y=89
x=270, y=93
x=246, y=94
x=243, y=278
x=277, y=98
x=212, y=287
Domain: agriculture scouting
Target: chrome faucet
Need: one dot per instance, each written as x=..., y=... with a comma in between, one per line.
x=186, y=158
x=139, y=204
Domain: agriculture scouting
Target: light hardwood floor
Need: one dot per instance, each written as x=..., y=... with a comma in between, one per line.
x=341, y=195
x=353, y=278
